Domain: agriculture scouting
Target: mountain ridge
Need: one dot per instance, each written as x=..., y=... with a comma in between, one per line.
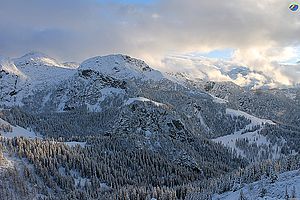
x=120, y=65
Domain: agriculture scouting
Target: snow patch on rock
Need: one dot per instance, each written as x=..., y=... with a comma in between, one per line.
x=74, y=144
x=143, y=99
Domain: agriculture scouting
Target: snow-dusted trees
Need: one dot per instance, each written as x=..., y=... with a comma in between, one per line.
x=286, y=194
x=112, y=166
x=262, y=192
x=5, y=128
x=242, y=196
x=1, y=155
x=265, y=171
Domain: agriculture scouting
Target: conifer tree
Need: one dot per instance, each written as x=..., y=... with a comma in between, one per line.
x=293, y=195
x=286, y=196
x=242, y=196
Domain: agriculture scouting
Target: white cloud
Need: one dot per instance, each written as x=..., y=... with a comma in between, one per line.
x=263, y=33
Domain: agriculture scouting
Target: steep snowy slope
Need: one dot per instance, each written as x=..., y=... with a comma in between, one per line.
x=33, y=72
x=85, y=89
x=7, y=66
x=11, y=82
x=42, y=70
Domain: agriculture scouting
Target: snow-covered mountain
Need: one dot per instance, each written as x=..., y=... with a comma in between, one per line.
x=93, y=83
x=35, y=59
x=38, y=72
x=42, y=84
x=121, y=67
x=33, y=72
x=42, y=71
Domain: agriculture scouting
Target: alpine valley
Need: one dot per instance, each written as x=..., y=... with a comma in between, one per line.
x=114, y=128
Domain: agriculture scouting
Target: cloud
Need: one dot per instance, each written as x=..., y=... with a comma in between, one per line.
x=263, y=33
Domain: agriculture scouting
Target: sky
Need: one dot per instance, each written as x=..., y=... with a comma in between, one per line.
x=255, y=33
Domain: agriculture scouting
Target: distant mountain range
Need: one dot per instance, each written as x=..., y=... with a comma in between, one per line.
x=138, y=127
x=209, y=69
x=35, y=71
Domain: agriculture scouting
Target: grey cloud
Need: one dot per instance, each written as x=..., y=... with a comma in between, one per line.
x=77, y=29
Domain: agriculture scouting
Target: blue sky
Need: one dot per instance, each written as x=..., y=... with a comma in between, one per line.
x=137, y=1
x=146, y=2
x=225, y=54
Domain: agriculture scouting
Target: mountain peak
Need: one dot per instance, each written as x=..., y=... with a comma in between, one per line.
x=122, y=67
x=36, y=58
x=35, y=54
x=120, y=59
